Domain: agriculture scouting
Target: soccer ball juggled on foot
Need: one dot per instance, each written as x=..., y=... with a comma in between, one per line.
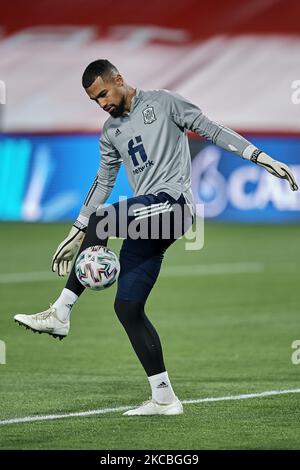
x=97, y=267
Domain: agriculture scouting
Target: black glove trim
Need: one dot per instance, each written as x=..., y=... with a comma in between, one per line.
x=79, y=226
x=255, y=155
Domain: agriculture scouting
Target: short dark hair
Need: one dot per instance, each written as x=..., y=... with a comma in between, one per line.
x=101, y=67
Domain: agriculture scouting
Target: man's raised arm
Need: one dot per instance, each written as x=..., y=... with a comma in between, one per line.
x=189, y=116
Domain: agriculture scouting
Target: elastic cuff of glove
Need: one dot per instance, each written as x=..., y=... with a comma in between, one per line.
x=255, y=155
x=79, y=226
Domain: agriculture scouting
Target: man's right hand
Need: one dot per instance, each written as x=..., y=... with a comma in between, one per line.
x=66, y=250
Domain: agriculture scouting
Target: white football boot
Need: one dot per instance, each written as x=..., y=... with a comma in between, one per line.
x=45, y=322
x=152, y=407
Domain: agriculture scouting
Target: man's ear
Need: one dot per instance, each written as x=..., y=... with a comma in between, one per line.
x=118, y=79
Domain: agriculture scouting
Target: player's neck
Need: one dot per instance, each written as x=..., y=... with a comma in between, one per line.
x=131, y=92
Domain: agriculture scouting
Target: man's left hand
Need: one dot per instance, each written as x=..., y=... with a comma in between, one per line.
x=279, y=169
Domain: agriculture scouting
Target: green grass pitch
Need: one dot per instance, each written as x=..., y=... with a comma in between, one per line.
x=222, y=333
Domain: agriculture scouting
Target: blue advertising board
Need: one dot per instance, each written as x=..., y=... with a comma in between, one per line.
x=233, y=189
x=45, y=178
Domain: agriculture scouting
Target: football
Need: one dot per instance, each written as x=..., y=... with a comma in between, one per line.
x=97, y=267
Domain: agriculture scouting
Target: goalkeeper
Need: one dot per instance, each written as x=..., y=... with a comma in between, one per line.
x=147, y=130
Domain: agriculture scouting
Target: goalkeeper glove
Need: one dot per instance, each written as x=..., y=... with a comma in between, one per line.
x=274, y=167
x=66, y=250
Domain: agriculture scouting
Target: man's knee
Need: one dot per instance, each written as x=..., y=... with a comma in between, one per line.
x=128, y=311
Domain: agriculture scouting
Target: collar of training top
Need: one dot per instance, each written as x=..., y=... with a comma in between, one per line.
x=135, y=99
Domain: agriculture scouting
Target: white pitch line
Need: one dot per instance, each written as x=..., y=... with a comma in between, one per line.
x=243, y=396
x=168, y=271
x=16, y=278
x=31, y=419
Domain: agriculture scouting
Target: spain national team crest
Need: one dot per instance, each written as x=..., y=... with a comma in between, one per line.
x=149, y=115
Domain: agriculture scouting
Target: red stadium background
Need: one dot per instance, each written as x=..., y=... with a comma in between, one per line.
x=238, y=60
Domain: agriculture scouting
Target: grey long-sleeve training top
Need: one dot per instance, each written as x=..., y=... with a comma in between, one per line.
x=152, y=142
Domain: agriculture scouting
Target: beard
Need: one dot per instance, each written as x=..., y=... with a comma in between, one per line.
x=119, y=109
